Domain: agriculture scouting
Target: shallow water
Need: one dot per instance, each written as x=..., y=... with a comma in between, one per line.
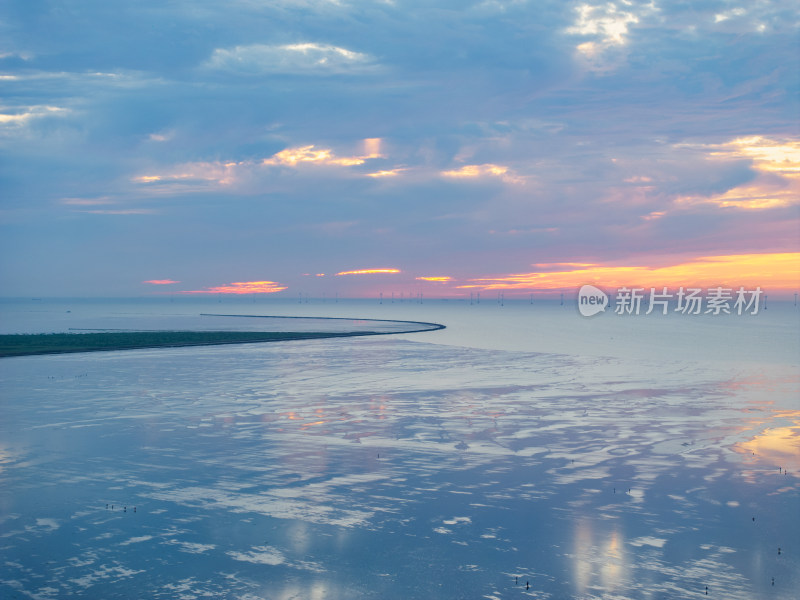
x=429, y=465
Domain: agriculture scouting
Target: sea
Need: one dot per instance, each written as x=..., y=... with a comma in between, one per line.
x=523, y=451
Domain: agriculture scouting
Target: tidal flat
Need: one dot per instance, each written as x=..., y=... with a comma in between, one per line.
x=396, y=467
x=61, y=343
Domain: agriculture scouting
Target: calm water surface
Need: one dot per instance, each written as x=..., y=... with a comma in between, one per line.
x=523, y=452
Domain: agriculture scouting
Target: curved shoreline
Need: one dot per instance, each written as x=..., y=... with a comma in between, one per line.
x=107, y=341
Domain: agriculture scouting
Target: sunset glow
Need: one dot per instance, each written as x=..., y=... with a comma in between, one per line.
x=769, y=271
x=779, y=446
x=369, y=271
x=580, y=379
x=387, y=173
x=308, y=154
x=242, y=287
x=372, y=148
x=324, y=156
x=476, y=171
x=776, y=155
x=286, y=143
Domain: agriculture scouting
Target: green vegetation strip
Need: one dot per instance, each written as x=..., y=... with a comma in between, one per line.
x=58, y=343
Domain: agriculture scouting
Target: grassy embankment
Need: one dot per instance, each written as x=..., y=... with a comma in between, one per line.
x=58, y=343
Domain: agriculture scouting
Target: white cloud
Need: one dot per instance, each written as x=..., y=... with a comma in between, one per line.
x=605, y=28
x=729, y=14
x=500, y=6
x=239, y=175
x=608, y=23
x=21, y=115
x=307, y=58
x=23, y=55
x=164, y=136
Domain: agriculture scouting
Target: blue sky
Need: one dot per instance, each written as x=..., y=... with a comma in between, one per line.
x=212, y=143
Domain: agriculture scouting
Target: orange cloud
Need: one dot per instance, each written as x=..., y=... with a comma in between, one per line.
x=242, y=287
x=160, y=281
x=484, y=170
x=324, y=156
x=443, y=279
x=308, y=154
x=779, y=271
x=369, y=271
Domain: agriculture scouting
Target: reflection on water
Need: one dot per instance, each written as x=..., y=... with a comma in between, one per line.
x=386, y=468
x=599, y=559
x=778, y=446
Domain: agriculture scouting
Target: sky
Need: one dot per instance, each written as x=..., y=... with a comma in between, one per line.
x=357, y=147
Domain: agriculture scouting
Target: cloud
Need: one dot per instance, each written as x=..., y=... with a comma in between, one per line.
x=777, y=271
x=16, y=54
x=235, y=175
x=481, y=171
x=308, y=154
x=241, y=287
x=83, y=206
x=729, y=14
x=769, y=154
x=161, y=281
x=161, y=137
x=103, y=200
x=305, y=59
x=760, y=196
x=121, y=211
x=325, y=156
x=11, y=116
x=445, y=138
x=500, y=6
x=387, y=173
x=777, y=166
x=607, y=26
x=369, y=271
x=193, y=177
x=607, y=22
